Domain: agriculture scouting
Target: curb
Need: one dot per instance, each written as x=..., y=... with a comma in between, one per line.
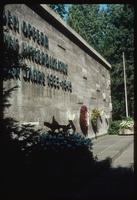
x=98, y=136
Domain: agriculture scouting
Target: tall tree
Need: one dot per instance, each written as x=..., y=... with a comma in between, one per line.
x=120, y=22
x=110, y=32
x=83, y=18
x=59, y=8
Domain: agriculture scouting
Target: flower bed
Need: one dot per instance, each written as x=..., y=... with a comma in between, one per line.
x=126, y=127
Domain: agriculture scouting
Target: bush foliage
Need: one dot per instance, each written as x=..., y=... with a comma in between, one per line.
x=114, y=127
x=59, y=141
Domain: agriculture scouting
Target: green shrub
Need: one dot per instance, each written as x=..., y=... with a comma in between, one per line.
x=59, y=142
x=114, y=127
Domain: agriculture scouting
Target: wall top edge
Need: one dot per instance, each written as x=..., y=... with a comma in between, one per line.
x=49, y=15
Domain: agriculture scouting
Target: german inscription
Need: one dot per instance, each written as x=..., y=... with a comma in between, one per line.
x=35, y=55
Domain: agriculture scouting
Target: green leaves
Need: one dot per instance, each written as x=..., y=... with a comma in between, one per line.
x=82, y=18
x=59, y=8
x=128, y=123
x=114, y=127
x=62, y=142
x=110, y=32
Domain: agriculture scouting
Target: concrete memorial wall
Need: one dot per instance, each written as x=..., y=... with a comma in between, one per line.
x=60, y=71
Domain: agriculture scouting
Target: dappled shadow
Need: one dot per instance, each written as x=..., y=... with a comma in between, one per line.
x=67, y=173
x=15, y=141
x=76, y=175
x=32, y=168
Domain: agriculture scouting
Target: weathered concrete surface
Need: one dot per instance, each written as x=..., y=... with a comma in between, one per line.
x=90, y=79
x=118, y=148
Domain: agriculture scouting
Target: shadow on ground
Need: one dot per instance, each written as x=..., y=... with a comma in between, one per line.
x=63, y=175
x=31, y=170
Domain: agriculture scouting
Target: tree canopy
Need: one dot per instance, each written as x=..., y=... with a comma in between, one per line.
x=111, y=32
x=59, y=8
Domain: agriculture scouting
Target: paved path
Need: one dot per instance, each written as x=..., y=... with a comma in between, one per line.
x=118, y=148
x=126, y=159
